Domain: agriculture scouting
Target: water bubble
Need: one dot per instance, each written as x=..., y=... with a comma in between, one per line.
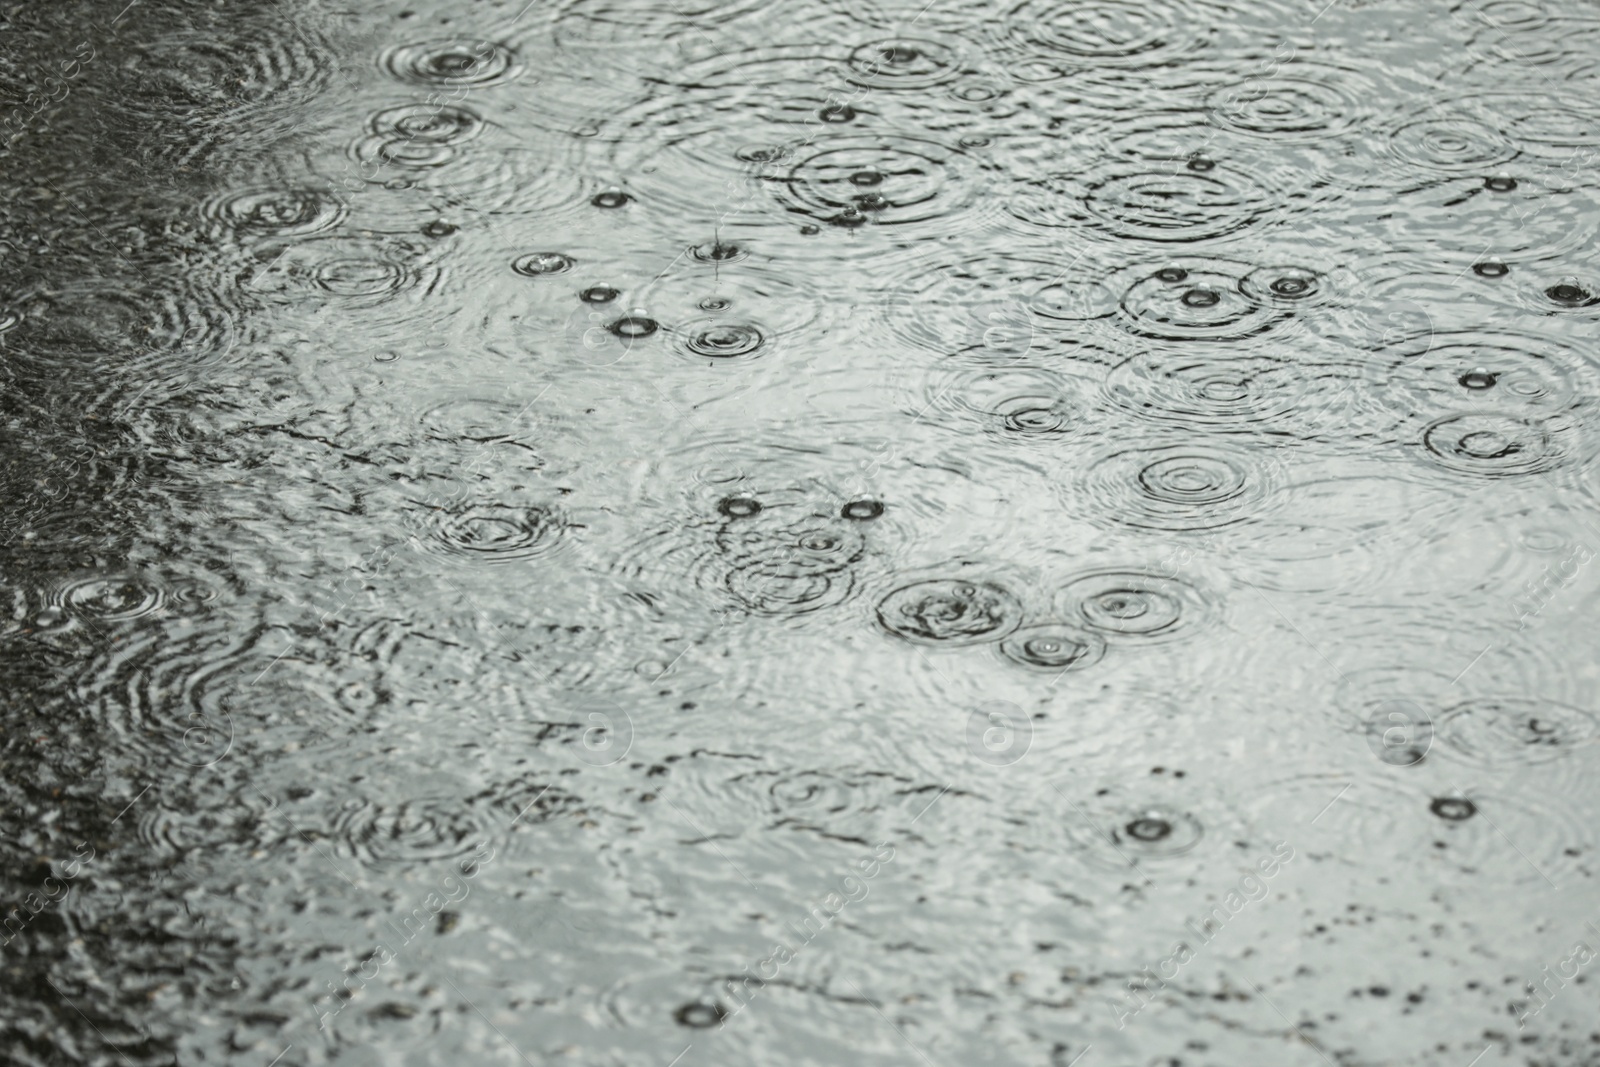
x=599, y=294
x=1500, y=185
x=539, y=264
x=739, y=507
x=439, y=228
x=950, y=612
x=1399, y=733
x=606, y=737
x=1477, y=379
x=837, y=113
x=610, y=198
x=1053, y=647
x=1453, y=809
x=862, y=510
x=999, y=733
x=1201, y=164
x=1201, y=298
x=1490, y=269
x=1172, y=275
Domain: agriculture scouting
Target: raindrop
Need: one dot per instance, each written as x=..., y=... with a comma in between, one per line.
x=1477, y=379
x=862, y=510
x=725, y=341
x=1149, y=828
x=1490, y=269
x=635, y=325
x=1499, y=185
x=837, y=113
x=1202, y=298
x=599, y=294
x=1453, y=809
x=1053, y=647
x=700, y=1016
x=611, y=198
x=739, y=507
x=947, y=611
x=439, y=228
x=1171, y=274
x=1569, y=295
x=537, y=264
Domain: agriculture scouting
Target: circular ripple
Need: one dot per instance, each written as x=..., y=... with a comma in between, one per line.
x=1108, y=32
x=876, y=180
x=456, y=62
x=428, y=124
x=1114, y=835
x=499, y=533
x=950, y=612
x=1014, y=404
x=1285, y=287
x=1481, y=370
x=1494, y=732
x=1378, y=824
x=275, y=211
x=718, y=339
x=411, y=831
x=1146, y=200
x=1136, y=606
x=1452, y=143
x=1192, y=299
x=915, y=60
x=1182, y=488
x=1538, y=123
x=120, y=598
x=1310, y=396
x=1000, y=305
x=1053, y=647
x=1307, y=102
x=104, y=322
x=1498, y=445
x=355, y=271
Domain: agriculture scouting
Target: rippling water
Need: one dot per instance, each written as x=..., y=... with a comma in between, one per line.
x=717, y=531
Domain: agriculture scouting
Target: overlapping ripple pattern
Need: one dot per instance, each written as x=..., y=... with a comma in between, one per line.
x=700, y=531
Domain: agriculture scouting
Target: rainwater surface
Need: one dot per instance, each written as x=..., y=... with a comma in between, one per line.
x=686, y=533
